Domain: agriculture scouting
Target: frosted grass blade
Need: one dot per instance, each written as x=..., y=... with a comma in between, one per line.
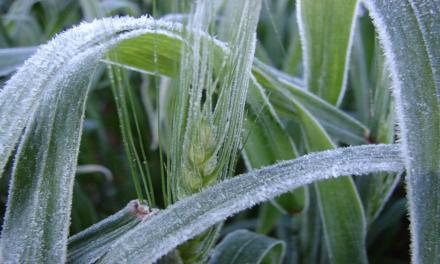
x=87, y=39
x=43, y=174
x=243, y=246
x=326, y=28
x=47, y=96
x=195, y=214
x=91, y=244
x=282, y=88
x=378, y=107
x=342, y=214
x=266, y=142
x=410, y=35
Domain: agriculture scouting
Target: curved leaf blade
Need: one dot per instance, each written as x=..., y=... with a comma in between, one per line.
x=39, y=201
x=133, y=54
x=284, y=89
x=92, y=243
x=87, y=39
x=242, y=246
x=193, y=215
x=47, y=95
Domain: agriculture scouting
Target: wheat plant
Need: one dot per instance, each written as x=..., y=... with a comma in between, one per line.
x=238, y=129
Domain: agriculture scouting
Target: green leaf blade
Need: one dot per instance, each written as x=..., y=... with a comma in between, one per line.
x=341, y=209
x=410, y=36
x=284, y=90
x=38, y=212
x=46, y=99
x=326, y=31
x=195, y=214
x=92, y=243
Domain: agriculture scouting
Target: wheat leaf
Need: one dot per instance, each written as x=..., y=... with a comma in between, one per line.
x=410, y=35
x=284, y=89
x=47, y=96
x=92, y=243
x=326, y=28
x=341, y=210
x=191, y=216
x=83, y=44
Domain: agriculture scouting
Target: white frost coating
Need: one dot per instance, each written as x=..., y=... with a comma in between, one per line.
x=380, y=26
x=302, y=36
x=182, y=221
x=306, y=42
x=409, y=33
x=27, y=231
x=348, y=54
x=47, y=95
x=21, y=94
x=339, y=124
x=92, y=243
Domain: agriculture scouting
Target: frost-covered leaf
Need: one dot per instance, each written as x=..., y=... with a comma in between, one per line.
x=46, y=99
x=326, y=32
x=410, y=35
x=283, y=89
x=195, y=214
x=375, y=106
x=242, y=246
x=38, y=208
x=92, y=243
x=88, y=40
x=266, y=142
x=342, y=214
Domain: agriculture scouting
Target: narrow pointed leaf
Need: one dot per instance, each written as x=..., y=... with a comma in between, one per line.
x=326, y=31
x=410, y=35
x=266, y=142
x=376, y=108
x=283, y=89
x=265, y=139
x=195, y=214
x=341, y=209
